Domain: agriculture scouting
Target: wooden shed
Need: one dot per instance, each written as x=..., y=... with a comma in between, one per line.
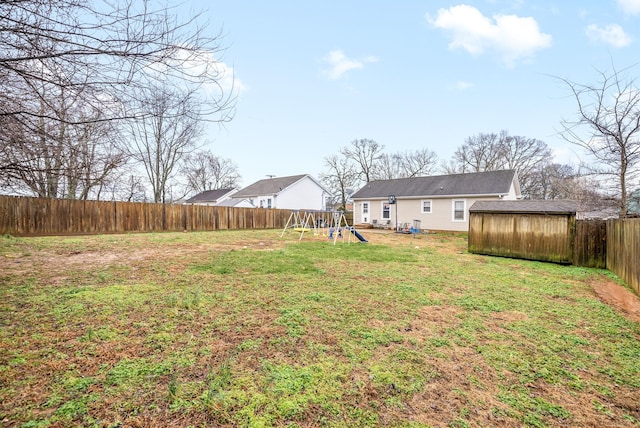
x=527, y=229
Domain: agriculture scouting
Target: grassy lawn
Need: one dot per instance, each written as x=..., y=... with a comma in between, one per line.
x=250, y=329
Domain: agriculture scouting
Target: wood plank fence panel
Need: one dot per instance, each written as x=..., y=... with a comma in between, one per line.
x=526, y=236
x=623, y=250
x=174, y=218
x=590, y=244
x=259, y=218
x=25, y=216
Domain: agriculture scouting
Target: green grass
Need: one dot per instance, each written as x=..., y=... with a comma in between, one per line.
x=247, y=329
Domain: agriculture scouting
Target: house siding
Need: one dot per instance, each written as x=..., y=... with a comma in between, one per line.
x=442, y=192
x=408, y=210
x=304, y=194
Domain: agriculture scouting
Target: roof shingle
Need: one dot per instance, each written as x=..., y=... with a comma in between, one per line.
x=479, y=183
x=208, y=196
x=526, y=207
x=268, y=186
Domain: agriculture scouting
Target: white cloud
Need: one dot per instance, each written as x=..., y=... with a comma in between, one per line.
x=191, y=67
x=613, y=35
x=204, y=63
x=632, y=7
x=512, y=37
x=340, y=64
x=461, y=85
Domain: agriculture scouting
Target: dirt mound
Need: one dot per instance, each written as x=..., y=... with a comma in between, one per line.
x=619, y=297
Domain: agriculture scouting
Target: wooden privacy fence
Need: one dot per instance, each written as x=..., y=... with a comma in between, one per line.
x=24, y=216
x=623, y=250
x=590, y=244
x=549, y=238
x=527, y=236
x=610, y=244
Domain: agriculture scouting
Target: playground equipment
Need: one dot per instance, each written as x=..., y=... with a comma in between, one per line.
x=339, y=224
x=298, y=221
x=331, y=223
x=410, y=229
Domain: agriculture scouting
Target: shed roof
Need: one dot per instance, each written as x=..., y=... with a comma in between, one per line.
x=479, y=183
x=526, y=207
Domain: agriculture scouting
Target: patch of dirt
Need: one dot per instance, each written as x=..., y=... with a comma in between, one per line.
x=619, y=297
x=59, y=261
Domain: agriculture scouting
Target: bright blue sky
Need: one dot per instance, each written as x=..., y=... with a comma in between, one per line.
x=315, y=75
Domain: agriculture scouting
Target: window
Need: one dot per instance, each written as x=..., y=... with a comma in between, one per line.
x=269, y=203
x=426, y=207
x=459, y=210
x=386, y=210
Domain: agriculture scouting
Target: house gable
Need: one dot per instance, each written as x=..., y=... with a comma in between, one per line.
x=268, y=186
x=295, y=192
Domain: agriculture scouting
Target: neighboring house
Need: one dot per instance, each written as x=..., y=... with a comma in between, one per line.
x=211, y=197
x=439, y=202
x=294, y=192
x=236, y=203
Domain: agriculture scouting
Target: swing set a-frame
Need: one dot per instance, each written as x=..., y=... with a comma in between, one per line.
x=324, y=223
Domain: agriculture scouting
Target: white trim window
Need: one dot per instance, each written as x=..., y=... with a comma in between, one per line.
x=427, y=206
x=459, y=210
x=386, y=210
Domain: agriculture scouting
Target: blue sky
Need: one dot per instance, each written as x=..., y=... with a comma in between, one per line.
x=315, y=75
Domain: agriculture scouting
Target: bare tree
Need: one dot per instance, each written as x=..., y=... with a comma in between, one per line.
x=105, y=53
x=127, y=186
x=365, y=154
x=206, y=171
x=524, y=155
x=387, y=167
x=164, y=136
x=68, y=157
x=482, y=152
x=406, y=164
x=610, y=112
x=416, y=163
x=340, y=177
x=491, y=152
x=561, y=181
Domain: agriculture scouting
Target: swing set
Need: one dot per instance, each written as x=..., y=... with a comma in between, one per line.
x=324, y=223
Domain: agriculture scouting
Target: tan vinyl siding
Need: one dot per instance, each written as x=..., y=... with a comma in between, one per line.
x=440, y=218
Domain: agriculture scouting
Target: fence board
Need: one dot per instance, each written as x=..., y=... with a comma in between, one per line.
x=590, y=244
x=623, y=250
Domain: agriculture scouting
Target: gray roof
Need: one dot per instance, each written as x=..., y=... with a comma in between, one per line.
x=526, y=207
x=479, y=183
x=208, y=196
x=268, y=186
x=232, y=202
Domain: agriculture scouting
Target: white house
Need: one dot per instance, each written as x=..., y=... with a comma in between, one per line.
x=293, y=192
x=439, y=202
